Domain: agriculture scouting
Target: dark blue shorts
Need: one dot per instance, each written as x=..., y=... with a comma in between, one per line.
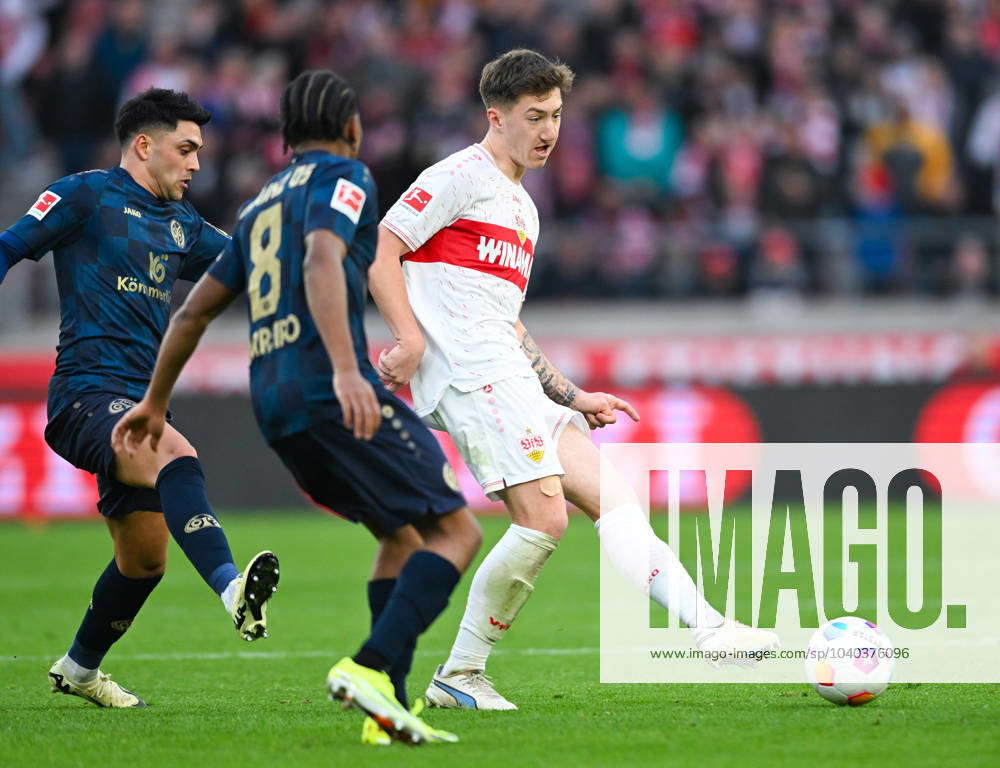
x=397, y=478
x=81, y=434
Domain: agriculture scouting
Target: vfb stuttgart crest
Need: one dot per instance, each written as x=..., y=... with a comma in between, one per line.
x=533, y=446
x=177, y=232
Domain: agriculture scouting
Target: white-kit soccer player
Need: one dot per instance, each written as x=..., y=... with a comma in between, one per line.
x=466, y=232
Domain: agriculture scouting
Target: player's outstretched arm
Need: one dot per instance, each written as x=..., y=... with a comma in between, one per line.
x=598, y=407
x=388, y=287
x=208, y=298
x=326, y=293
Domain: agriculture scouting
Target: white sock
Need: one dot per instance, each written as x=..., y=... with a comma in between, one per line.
x=229, y=594
x=662, y=576
x=77, y=673
x=501, y=586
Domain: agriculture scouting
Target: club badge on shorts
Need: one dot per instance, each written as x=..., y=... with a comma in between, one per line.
x=533, y=446
x=120, y=405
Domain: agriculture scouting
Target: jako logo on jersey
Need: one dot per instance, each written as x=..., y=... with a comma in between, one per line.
x=131, y=212
x=533, y=446
x=157, y=269
x=498, y=625
x=417, y=199
x=198, y=522
x=506, y=254
x=43, y=204
x=177, y=232
x=349, y=199
x=120, y=405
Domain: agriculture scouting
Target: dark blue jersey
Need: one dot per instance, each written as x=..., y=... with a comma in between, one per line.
x=118, y=250
x=290, y=372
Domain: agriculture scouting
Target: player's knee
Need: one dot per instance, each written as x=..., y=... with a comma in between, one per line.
x=539, y=505
x=142, y=565
x=549, y=515
x=174, y=447
x=555, y=524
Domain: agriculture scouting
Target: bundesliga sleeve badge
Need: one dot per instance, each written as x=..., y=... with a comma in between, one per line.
x=417, y=199
x=349, y=199
x=44, y=204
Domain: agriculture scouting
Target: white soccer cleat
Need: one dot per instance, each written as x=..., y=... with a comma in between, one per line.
x=102, y=690
x=735, y=643
x=465, y=690
x=255, y=586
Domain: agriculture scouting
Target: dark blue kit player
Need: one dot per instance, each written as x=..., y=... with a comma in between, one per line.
x=301, y=251
x=120, y=238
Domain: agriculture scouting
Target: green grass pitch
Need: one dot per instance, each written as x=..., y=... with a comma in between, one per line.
x=218, y=701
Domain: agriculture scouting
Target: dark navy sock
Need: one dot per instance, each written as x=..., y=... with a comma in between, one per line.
x=421, y=594
x=189, y=518
x=115, y=603
x=379, y=592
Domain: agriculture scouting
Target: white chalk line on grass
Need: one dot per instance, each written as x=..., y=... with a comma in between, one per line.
x=328, y=654
x=231, y=655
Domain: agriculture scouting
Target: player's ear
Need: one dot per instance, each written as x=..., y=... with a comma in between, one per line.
x=353, y=131
x=494, y=117
x=140, y=145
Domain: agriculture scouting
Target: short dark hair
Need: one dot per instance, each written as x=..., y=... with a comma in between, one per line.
x=509, y=77
x=157, y=108
x=316, y=106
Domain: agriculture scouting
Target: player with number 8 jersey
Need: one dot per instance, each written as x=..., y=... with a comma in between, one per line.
x=302, y=250
x=290, y=370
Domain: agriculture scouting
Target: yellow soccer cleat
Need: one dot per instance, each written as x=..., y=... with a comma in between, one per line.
x=373, y=735
x=371, y=692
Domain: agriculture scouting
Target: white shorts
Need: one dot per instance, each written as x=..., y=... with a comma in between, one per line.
x=507, y=431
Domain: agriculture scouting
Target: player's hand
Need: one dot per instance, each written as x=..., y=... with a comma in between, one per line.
x=599, y=408
x=140, y=422
x=396, y=366
x=359, y=404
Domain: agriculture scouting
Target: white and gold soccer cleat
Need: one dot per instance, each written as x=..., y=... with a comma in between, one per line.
x=736, y=644
x=102, y=690
x=256, y=585
x=465, y=690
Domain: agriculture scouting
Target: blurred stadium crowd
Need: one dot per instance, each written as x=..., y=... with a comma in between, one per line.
x=710, y=147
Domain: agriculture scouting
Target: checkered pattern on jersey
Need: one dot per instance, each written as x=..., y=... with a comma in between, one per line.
x=290, y=372
x=117, y=251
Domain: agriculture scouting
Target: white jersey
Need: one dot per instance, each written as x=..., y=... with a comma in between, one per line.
x=472, y=234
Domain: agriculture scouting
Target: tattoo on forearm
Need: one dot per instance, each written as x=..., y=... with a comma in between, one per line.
x=557, y=387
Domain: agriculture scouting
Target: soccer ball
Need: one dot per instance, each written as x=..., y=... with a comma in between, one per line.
x=849, y=661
